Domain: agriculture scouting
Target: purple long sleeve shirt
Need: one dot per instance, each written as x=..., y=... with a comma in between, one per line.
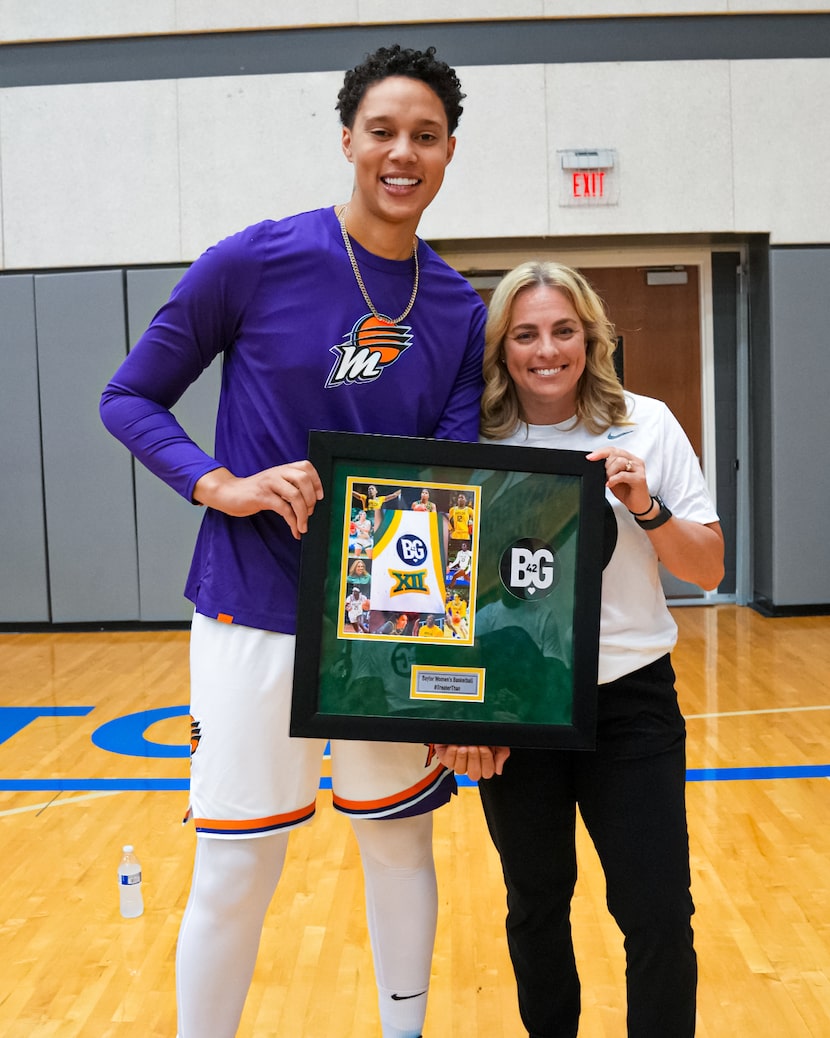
x=300, y=351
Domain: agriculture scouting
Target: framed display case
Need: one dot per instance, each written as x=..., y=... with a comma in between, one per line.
x=449, y=593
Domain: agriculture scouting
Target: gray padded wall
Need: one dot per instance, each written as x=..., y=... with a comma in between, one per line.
x=166, y=523
x=725, y=320
x=24, y=589
x=799, y=381
x=760, y=417
x=90, y=519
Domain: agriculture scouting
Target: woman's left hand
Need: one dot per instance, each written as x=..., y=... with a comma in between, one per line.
x=690, y=551
x=625, y=477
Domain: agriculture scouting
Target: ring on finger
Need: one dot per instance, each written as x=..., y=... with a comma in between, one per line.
x=628, y=465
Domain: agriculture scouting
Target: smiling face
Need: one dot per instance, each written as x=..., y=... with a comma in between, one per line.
x=400, y=146
x=544, y=351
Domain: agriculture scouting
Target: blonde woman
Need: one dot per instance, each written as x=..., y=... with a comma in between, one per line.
x=550, y=382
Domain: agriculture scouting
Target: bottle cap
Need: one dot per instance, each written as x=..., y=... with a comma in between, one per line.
x=128, y=848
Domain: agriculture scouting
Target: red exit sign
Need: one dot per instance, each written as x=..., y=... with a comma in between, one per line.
x=589, y=177
x=588, y=183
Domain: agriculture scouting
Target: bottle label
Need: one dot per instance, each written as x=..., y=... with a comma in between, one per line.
x=129, y=881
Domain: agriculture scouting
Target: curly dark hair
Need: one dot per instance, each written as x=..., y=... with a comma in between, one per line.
x=397, y=61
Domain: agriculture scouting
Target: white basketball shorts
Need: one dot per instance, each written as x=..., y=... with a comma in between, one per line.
x=248, y=778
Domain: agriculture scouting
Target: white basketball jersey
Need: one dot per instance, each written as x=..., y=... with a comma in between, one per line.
x=407, y=569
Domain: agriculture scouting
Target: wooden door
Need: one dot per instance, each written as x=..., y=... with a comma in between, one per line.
x=660, y=330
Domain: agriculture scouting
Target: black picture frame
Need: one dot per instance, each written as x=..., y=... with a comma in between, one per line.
x=515, y=662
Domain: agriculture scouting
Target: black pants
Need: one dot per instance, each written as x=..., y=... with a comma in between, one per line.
x=631, y=795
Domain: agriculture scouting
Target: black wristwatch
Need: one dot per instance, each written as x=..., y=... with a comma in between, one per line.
x=662, y=516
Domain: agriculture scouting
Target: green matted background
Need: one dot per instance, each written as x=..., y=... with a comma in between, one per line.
x=525, y=647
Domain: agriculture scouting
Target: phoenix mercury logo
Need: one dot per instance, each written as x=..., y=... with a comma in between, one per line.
x=370, y=346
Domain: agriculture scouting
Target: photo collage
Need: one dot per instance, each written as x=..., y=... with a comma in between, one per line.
x=409, y=561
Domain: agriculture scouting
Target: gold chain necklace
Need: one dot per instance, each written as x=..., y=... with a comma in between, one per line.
x=359, y=278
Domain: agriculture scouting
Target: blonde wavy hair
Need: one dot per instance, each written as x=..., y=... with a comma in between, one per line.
x=600, y=400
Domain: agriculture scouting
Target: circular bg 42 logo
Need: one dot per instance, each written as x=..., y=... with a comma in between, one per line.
x=529, y=569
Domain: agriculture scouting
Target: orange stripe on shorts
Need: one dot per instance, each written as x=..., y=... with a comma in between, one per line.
x=233, y=825
x=400, y=797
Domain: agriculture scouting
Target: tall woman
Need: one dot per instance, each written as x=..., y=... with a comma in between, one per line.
x=339, y=319
x=550, y=382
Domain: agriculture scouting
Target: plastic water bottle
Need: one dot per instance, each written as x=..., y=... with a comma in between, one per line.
x=129, y=884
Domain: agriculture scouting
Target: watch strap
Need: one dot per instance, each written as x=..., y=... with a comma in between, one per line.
x=662, y=516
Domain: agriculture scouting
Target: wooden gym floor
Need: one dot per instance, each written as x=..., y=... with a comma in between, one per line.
x=80, y=713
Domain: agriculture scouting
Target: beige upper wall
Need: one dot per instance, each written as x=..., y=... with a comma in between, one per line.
x=24, y=20
x=125, y=173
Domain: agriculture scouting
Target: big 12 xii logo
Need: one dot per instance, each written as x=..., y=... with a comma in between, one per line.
x=529, y=569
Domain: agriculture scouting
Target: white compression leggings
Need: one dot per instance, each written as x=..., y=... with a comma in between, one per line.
x=233, y=882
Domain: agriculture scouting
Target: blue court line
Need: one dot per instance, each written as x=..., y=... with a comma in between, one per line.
x=738, y=774
x=115, y=785
x=794, y=771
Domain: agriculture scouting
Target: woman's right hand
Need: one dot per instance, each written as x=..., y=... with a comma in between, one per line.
x=476, y=762
x=290, y=490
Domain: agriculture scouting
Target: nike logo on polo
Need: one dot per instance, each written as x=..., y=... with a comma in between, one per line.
x=616, y=436
x=400, y=998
